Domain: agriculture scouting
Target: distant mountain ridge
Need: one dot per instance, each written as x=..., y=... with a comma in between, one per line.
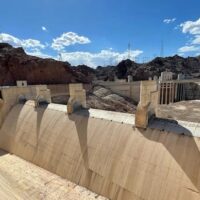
x=189, y=66
x=15, y=65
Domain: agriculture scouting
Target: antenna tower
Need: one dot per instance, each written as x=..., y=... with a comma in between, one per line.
x=60, y=57
x=162, y=49
x=129, y=50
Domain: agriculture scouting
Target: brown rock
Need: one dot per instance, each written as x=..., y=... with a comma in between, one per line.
x=15, y=65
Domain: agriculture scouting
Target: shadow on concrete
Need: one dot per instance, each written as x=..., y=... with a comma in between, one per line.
x=80, y=117
x=185, y=151
x=40, y=109
x=2, y=152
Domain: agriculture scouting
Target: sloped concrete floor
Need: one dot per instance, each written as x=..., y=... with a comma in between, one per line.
x=184, y=110
x=20, y=179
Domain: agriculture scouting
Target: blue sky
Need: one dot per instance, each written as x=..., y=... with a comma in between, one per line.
x=98, y=32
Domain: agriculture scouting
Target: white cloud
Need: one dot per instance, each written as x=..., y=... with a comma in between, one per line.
x=44, y=28
x=67, y=39
x=36, y=48
x=192, y=27
x=186, y=49
x=104, y=57
x=16, y=42
x=38, y=53
x=31, y=43
x=180, y=54
x=196, y=40
x=168, y=21
x=197, y=54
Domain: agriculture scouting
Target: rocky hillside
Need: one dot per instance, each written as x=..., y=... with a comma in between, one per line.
x=189, y=66
x=15, y=64
x=83, y=70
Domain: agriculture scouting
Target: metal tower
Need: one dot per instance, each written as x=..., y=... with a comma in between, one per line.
x=162, y=49
x=129, y=50
x=60, y=57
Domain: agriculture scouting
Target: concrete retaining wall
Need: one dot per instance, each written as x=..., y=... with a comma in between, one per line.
x=63, y=89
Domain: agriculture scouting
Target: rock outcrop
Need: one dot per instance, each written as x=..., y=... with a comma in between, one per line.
x=104, y=99
x=15, y=65
x=84, y=71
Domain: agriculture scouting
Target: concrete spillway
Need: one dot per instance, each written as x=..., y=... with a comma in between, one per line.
x=110, y=158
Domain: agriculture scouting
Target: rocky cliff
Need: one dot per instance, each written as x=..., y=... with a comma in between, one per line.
x=15, y=64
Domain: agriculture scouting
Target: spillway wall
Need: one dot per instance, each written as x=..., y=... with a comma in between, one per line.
x=109, y=158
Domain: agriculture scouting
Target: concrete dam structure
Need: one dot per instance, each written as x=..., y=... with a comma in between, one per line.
x=104, y=151
x=110, y=158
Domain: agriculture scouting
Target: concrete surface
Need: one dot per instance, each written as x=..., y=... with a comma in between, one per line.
x=21, y=180
x=148, y=103
x=184, y=111
x=113, y=159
